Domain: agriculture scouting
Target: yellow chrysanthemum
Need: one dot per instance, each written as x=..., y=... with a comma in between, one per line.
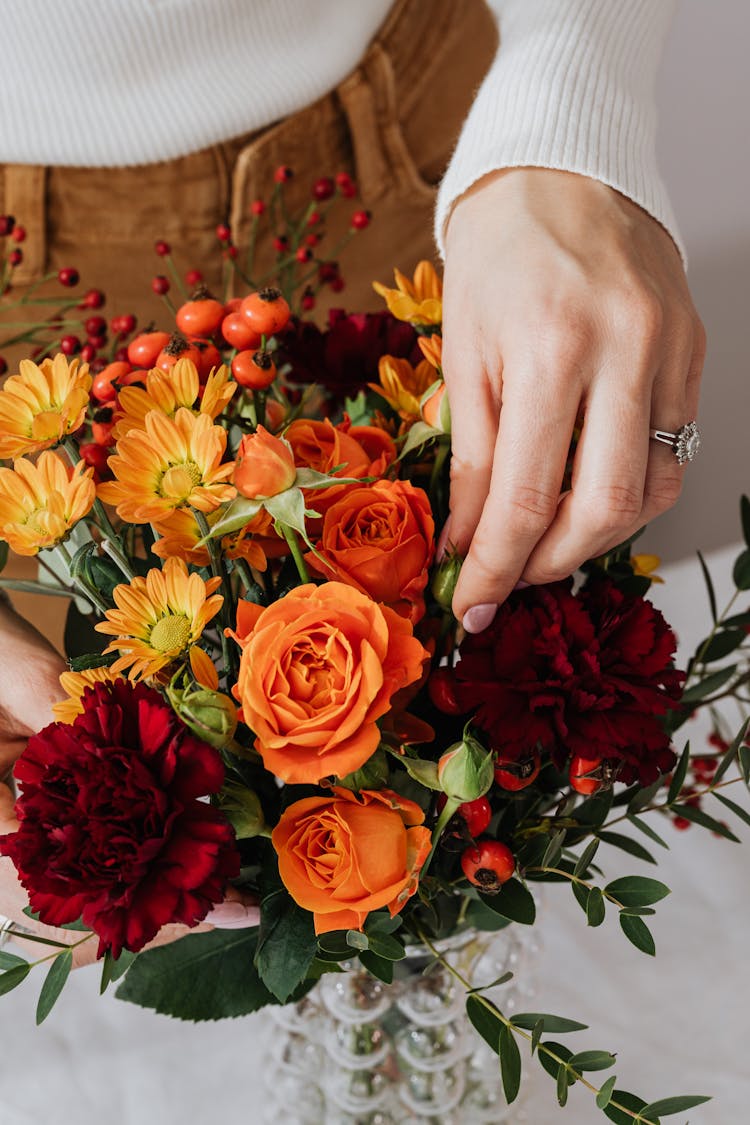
x=172, y=463
x=158, y=618
x=40, y=503
x=432, y=349
x=169, y=391
x=75, y=684
x=180, y=536
x=42, y=404
x=419, y=301
x=645, y=565
x=402, y=385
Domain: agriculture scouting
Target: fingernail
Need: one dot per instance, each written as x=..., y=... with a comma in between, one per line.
x=442, y=542
x=233, y=916
x=521, y=585
x=479, y=618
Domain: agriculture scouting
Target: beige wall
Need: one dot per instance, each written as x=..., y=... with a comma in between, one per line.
x=704, y=145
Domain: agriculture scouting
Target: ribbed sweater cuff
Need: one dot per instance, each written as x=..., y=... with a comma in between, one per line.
x=572, y=88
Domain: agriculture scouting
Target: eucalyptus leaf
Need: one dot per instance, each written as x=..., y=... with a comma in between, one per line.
x=743, y=757
x=554, y=849
x=54, y=982
x=10, y=960
x=380, y=967
x=731, y=753
x=745, y=518
x=722, y=643
x=592, y=1060
x=595, y=907
x=627, y=844
x=647, y=830
x=581, y=895
x=563, y=1085
x=510, y=1064
x=551, y=1065
x=486, y=1020
x=605, y=1092
x=711, y=683
x=553, y=1025
x=678, y=778
x=738, y=811
x=586, y=857
x=709, y=587
x=11, y=978
x=644, y=796
x=698, y=816
x=629, y=1101
x=637, y=890
x=741, y=571
x=665, y=1107
x=637, y=932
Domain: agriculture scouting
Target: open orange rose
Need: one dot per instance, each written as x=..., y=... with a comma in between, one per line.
x=318, y=669
x=354, y=451
x=344, y=855
x=379, y=539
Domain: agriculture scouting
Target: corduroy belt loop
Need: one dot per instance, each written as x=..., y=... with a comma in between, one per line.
x=24, y=197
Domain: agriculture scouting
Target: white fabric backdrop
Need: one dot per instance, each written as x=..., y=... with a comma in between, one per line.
x=680, y=1021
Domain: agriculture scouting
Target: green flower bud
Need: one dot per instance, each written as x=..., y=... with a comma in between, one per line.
x=466, y=770
x=243, y=810
x=445, y=578
x=210, y=715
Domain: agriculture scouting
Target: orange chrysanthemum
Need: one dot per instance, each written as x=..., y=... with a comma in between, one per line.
x=170, y=391
x=172, y=463
x=42, y=404
x=40, y=503
x=420, y=301
x=402, y=385
x=180, y=537
x=75, y=684
x=431, y=348
x=158, y=618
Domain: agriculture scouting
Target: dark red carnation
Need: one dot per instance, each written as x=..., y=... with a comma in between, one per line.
x=112, y=829
x=588, y=673
x=344, y=356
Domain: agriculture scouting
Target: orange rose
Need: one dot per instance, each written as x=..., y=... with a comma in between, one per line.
x=379, y=539
x=265, y=465
x=344, y=855
x=318, y=670
x=323, y=447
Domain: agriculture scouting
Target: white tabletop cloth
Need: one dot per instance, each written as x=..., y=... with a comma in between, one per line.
x=679, y=1021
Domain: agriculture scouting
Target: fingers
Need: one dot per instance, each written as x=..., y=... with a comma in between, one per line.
x=536, y=424
x=234, y=914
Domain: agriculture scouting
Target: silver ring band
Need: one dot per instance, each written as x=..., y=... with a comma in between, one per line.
x=684, y=444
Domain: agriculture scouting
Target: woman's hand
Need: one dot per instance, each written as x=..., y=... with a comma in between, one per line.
x=562, y=299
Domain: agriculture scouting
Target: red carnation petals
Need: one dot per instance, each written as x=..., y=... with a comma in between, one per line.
x=112, y=829
x=588, y=674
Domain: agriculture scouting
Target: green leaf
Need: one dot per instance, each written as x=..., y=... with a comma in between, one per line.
x=581, y=895
x=333, y=946
x=235, y=516
x=637, y=890
x=743, y=814
x=722, y=643
x=4, y=551
x=665, y=1107
x=745, y=518
x=586, y=857
x=741, y=571
x=678, y=778
x=563, y=1084
x=554, y=849
x=647, y=830
x=486, y=1020
x=551, y=1065
x=698, y=816
x=286, y=942
x=357, y=940
x=743, y=757
x=387, y=947
x=605, y=1092
x=10, y=960
x=379, y=922
x=510, y=1064
x=592, y=1060
x=709, y=587
x=206, y=976
x=638, y=911
x=731, y=753
x=738, y=619
x=419, y=433
x=378, y=966
x=595, y=907
x=13, y=977
x=88, y=661
x=643, y=797
x=119, y=967
x=77, y=925
x=627, y=844
x=494, y=983
x=482, y=918
x=536, y=1034
x=553, y=1025
x=54, y=982
x=711, y=683
x=424, y=772
x=514, y=901
x=629, y=1101
x=637, y=932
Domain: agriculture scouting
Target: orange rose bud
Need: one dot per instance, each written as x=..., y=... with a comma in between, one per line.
x=373, y=845
x=265, y=465
x=435, y=410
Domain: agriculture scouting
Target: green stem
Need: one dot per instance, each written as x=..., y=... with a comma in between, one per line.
x=218, y=571
x=89, y=593
x=575, y=879
x=111, y=547
x=449, y=808
x=23, y=587
x=291, y=537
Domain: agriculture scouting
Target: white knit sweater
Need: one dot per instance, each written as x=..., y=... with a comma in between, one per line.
x=133, y=81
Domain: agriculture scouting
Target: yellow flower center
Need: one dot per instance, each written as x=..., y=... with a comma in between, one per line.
x=171, y=634
x=180, y=480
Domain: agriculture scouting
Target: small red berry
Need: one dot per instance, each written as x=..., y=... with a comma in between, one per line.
x=95, y=457
x=280, y=243
x=223, y=232
x=123, y=325
x=589, y=775
x=282, y=174
x=361, y=219
x=68, y=276
x=95, y=326
x=93, y=299
x=338, y=284
x=328, y=272
x=230, y=251
x=323, y=188
x=162, y=248
x=69, y=345
x=15, y=257
x=516, y=774
x=303, y=254
x=313, y=218
x=193, y=278
x=3, y=365
x=88, y=353
x=346, y=185
x=681, y=823
x=121, y=355
x=96, y=342
x=308, y=301
x=257, y=207
x=7, y=222
x=160, y=284
x=18, y=234
x=488, y=864
x=312, y=239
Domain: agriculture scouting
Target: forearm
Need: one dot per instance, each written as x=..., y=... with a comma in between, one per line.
x=572, y=88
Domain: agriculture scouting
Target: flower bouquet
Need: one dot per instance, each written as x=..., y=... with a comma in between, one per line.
x=275, y=696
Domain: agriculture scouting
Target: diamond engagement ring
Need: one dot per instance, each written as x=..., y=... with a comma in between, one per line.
x=684, y=444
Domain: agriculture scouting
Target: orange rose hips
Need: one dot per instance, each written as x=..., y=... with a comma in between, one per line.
x=254, y=370
x=441, y=688
x=266, y=311
x=144, y=349
x=177, y=348
x=581, y=771
x=200, y=317
x=102, y=388
x=488, y=864
x=237, y=332
x=210, y=357
x=515, y=774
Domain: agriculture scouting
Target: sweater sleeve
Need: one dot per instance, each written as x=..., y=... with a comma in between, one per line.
x=571, y=87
